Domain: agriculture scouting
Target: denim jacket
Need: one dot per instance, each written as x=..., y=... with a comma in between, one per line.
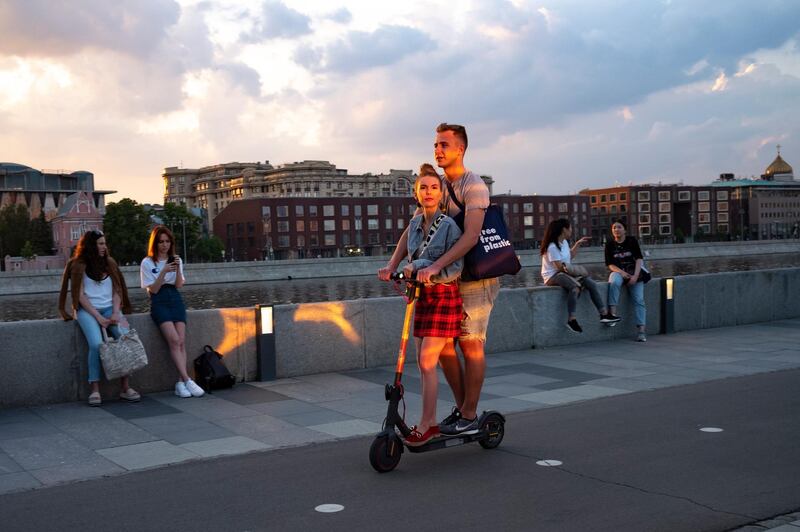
x=447, y=235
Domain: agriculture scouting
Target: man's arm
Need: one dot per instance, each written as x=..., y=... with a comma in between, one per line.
x=473, y=222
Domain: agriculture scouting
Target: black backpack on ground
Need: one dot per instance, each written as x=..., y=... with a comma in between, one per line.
x=210, y=372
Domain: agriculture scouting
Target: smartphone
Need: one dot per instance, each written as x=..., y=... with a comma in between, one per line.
x=171, y=259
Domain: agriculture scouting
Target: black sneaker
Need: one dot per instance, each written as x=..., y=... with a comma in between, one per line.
x=573, y=326
x=609, y=318
x=454, y=416
x=461, y=427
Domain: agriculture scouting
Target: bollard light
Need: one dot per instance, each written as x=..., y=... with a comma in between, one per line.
x=265, y=344
x=667, y=305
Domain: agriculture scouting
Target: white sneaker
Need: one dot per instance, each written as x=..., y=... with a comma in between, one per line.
x=181, y=391
x=194, y=389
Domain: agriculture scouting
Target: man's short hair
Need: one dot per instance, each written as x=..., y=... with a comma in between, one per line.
x=459, y=131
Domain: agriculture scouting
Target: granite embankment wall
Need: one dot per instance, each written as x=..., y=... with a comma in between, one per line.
x=45, y=361
x=50, y=281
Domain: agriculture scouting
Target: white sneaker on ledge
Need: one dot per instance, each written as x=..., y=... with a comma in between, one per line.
x=194, y=389
x=181, y=391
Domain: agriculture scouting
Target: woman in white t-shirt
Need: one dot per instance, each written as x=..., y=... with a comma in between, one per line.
x=161, y=275
x=99, y=299
x=557, y=258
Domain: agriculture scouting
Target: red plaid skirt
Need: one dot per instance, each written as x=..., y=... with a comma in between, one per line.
x=438, y=312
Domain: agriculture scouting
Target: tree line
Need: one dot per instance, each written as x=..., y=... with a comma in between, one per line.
x=126, y=225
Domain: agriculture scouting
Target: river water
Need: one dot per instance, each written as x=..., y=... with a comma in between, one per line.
x=44, y=306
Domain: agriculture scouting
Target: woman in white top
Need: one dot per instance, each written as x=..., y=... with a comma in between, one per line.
x=99, y=298
x=161, y=275
x=556, y=263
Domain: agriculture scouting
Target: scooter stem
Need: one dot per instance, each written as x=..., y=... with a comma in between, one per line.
x=401, y=355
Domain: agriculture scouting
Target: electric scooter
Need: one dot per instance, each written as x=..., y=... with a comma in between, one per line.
x=387, y=448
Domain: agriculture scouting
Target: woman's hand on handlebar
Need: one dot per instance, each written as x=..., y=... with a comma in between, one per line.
x=408, y=270
x=384, y=274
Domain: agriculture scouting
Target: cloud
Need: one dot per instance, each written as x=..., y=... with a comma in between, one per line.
x=278, y=21
x=46, y=28
x=359, y=50
x=341, y=16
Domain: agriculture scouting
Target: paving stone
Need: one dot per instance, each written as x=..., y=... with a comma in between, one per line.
x=208, y=407
x=101, y=434
x=17, y=481
x=170, y=423
x=8, y=465
x=70, y=413
x=503, y=389
x=286, y=408
x=94, y=467
x=146, y=455
x=522, y=379
x=549, y=398
x=211, y=432
x=26, y=429
x=38, y=452
x=224, y=446
x=357, y=407
x=590, y=391
x=147, y=407
x=272, y=431
x=17, y=415
x=507, y=405
x=244, y=394
x=353, y=427
x=318, y=417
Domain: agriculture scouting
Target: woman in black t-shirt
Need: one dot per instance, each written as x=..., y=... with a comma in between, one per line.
x=626, y=263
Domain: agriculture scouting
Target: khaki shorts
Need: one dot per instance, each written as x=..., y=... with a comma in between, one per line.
x=478, y=298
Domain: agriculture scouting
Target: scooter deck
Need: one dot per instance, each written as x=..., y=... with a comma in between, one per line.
x=446, y=440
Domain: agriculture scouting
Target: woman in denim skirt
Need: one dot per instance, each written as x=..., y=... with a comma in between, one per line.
x=162, y=275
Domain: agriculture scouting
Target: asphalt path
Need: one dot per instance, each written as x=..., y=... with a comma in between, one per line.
x=637, y=462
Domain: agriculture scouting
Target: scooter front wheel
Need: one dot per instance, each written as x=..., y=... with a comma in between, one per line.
x=494, y=428
x=385, y=453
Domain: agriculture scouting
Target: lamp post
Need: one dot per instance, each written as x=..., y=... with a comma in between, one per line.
x=266, y=360
x=667, y=305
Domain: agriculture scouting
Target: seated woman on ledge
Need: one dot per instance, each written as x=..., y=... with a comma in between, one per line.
x=557, y=270
x=99, y=297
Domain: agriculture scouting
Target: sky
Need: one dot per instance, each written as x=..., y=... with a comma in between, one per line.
x=556, y=95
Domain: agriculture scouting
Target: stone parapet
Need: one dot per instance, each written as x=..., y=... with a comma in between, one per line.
x=44, y=361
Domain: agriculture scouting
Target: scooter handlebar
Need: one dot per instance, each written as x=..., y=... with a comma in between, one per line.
x=400, y=276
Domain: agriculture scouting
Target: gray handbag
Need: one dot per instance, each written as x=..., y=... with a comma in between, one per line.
x=122, y=356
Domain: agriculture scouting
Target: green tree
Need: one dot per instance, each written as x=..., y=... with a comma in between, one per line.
x=126, y=225
x=41, y=235
x=27, y=251
x=14, y=228
x=177, y=217
x=208, y=249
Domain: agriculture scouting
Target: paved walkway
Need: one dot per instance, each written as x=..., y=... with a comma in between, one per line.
x=48, y=445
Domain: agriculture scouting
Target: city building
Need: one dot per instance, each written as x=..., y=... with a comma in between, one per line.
x=292, y=228
x=46, y=190
x=527, y=217
x=763, y=208
x=212, y=188
x=76, y=215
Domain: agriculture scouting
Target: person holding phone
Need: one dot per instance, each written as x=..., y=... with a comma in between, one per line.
x=161, y=274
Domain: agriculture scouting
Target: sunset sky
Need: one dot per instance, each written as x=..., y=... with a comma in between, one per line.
x=556, y=95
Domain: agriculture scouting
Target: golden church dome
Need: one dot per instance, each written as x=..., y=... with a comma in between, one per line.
x=778, y=166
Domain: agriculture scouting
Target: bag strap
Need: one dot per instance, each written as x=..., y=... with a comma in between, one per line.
x=434, y=228
x=452, y=194
x=104, y=333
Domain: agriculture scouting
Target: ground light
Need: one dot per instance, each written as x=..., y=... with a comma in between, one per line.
x=667, y=305
x=265, y=344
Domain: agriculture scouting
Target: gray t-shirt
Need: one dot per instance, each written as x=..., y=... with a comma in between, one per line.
x=469, y=190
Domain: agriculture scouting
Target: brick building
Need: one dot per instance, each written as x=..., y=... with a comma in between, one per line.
x=527, y=217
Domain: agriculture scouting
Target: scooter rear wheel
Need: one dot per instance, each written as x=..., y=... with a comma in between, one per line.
x=494, y=427
x=385, y=453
